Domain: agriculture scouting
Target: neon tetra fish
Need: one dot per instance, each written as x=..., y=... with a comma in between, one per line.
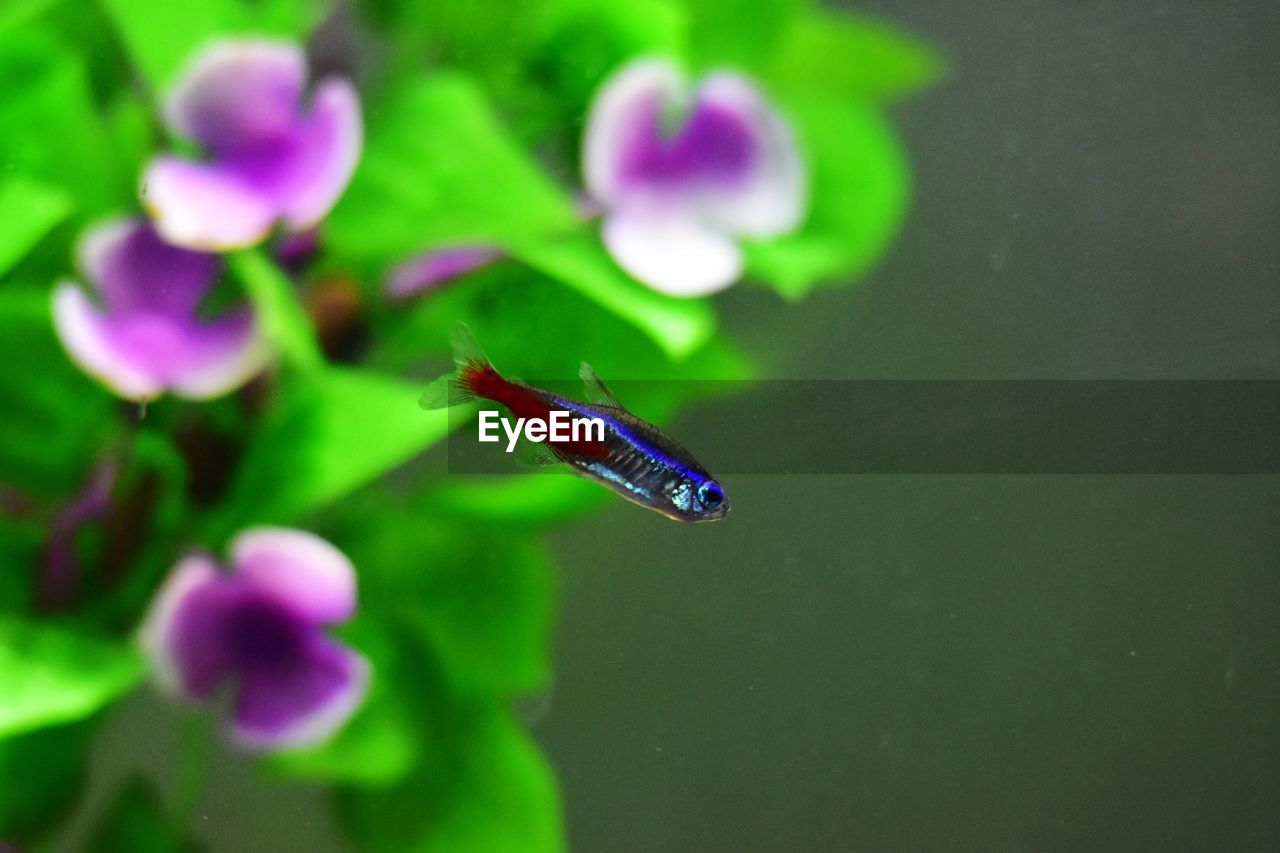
x=635, y=459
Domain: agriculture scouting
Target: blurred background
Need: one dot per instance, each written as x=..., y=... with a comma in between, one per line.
x=911, y=662
x=991, y=662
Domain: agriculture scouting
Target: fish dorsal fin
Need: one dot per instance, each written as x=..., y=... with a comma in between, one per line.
x=466, y=349
x=597, y=391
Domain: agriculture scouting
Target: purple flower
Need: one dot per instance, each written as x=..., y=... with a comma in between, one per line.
x=146, y=334
x=425, y=272
x=681, y=174
x=269, y=156
x=259, y=628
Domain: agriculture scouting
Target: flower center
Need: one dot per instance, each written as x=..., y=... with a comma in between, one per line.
x=265, y=637
x=712, y=146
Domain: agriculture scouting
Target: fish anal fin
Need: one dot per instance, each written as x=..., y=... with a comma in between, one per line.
x=534, y=454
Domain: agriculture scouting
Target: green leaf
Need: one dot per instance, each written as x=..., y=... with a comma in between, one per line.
x=516, y=500
x=18, y=12
x=49, y=128
x=477, y=595
x=136, y=822
x=860, y=58
x=580, y=42
x=43, y=773
x=28, y=211
x=284, y=321
x=487, y=788
x=328, y=435
x=723, y=32
x=161, y=37
x=860, y=185
x=20, y=542
x=679, y=326
x=486, y=611
x=50, y=674
x=54, y=426
x=438, y=169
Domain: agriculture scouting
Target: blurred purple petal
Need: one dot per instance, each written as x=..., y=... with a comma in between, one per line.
x=271, y=155
x=181, y=632
x=623, y=111
x=309, y=575
x=90, y=340
x=147, y=336
x=259, y=629
x=236, y=96
x=772, y=196
x=218, y=357
x=303, y=702
x=427, y=271
x=671, y=252
x=329, y=146
x=205, y=207
x=135, y=270
x=681, y=172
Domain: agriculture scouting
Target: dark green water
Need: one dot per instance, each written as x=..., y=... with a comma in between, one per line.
x=979, y=663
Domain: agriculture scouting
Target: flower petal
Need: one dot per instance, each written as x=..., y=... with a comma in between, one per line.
x=425, y=272
x=203, y=206
x=624, y=109
x=301, y=707
x=771, y=198
x=238, y=96
x=298, y=569
x=672, y=252
x=183, y=633
x=136, y=270
x=218, y=357
x=731, y=160
x=328, y=147
x=94, y=342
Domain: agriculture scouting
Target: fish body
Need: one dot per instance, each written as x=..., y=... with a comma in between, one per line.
x=635, y=459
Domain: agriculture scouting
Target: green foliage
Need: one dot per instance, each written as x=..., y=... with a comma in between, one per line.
x=52, y=428
x=283, y=319
x=487, y=788
x=860, y=188
x=679, y=326
x=49, y=124
x=43, y=773
x=724, y=33
x=481, y=598
x=439, y=169
x=325, y=437
x=51, y=674
x=136, y=823
x=28, y=211
x=861, y=58
x=160, y=37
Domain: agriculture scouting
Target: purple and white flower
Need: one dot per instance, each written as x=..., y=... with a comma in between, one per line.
x=270, y=155
x=145, y=333
x=682, y=175
x=260, y=630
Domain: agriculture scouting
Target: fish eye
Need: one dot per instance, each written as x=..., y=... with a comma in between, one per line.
x=710, y=495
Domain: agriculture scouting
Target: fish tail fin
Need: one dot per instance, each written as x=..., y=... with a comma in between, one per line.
x=475, y=376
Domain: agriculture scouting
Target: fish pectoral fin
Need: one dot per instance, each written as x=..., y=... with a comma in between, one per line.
x=597, y=391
